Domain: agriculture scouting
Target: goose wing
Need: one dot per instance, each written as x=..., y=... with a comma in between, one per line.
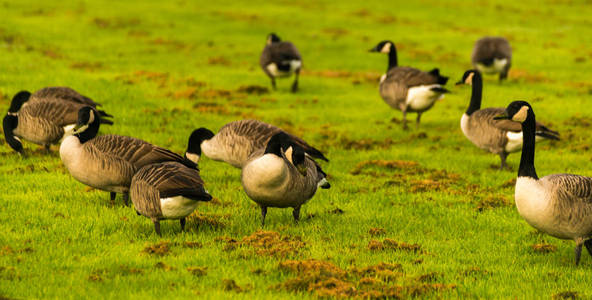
x=63, y=93
x=174, y=179
x=56, y=113
x=570, y=188
x=283, y=51
x=411, y=77
x=488, y=48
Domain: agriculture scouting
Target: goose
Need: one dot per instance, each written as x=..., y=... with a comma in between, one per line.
x=42, y=123
x=492, y=55
x=236, y=141
x=408, y=89
x=168, y=190
x=500, y=137
x=559, y=204
x=58, y=93
x=274, y=178
x=108, y=162
x=280, y=59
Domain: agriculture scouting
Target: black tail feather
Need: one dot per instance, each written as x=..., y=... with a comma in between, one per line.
x=316, y=154
x=439, y=89
x=106, y=121
x=436, y=73
x=102, y=113
x=551, y=135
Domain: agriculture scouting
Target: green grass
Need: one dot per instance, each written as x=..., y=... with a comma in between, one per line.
x=153, y=65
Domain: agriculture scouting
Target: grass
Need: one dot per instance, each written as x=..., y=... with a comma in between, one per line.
x=426, y=202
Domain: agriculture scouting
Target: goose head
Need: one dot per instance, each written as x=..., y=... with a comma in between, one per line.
x=467, y=77
x=384, y=47
x=9, y=123
x=87, y=125
x=197, y=137
x=294, y=153
x=18, y=101
x=273, y=38
x=517, y=111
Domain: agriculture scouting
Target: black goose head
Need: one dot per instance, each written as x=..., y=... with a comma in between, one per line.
x=197, y=137
x=283, y=142
x=384, y=47
x=468, y=77
x=87, y=125
x=18, y=100
x=273, y=38
x=517, y=111
x=9, y=123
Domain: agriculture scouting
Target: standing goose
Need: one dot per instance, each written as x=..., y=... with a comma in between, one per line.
x=167, y=190
x=496, y=136
x=273, y=178
x=558, y=204
x=42, y=123
x=408, y=89
x=236, y=141
x=492, y=55
x=280, y=59
x=109, y=162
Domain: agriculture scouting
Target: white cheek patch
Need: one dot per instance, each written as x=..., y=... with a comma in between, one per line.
x=91, y=117
x=81, y=129
x=521, y=115
x=386, y=48
x=192, y=157
x=288, y=154
x=469, y=79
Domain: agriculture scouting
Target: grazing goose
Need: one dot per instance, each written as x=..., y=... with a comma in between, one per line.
x=273, y=178
x=167, y=190
x=492, y=55
x=109, y=162
x=408, y=89
x=558, y=204
x=236, y=142
x=280, y=59
x=42, y=123
x=496, y=136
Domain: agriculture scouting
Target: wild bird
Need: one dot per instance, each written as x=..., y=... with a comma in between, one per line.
x=109, y=162
x=492, y=55
x=500, y=137
x=42, y=122
x=236, y=141
x=558, y=204
x=280, y=59
x=281, y=175
x=408, y=89
x=58, y=94
x=168, y=190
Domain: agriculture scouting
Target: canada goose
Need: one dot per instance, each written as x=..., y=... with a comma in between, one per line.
x=167, y=190
x=108, y=162
x=496, y=136
x=236, y=141
x=42, y=123
x=492, y=55
x=280, y=59
x=408, y=89
x=274, y=178
x=558, y=204
x=58, y=93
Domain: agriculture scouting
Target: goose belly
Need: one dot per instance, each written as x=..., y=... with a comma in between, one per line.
x=421, y=98
x=533, y=203
x=497, y=66
x=177, y=207
x=266, y=181
x=275, y=71
x=40, y=132
x=514, y=141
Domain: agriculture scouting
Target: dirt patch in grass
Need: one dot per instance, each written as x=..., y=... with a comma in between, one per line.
x=87, y=66
x=253, y=89
x=160, y=249
x=198, y=271
x=324, y=279
x=219, y=60
x=161, y=265
x=526, y=76
x=266, y=243
x=543, y=248
x=115, y=23
x=355, y=77
x=387, y=164
x=171, y=43
x=474, y=272
x=493, y=201
x=375, y=231
x=208, y=220
x=390, y=244
x=566, y=295
x=231, y=285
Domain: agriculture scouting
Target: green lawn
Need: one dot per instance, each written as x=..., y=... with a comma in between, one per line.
x=410, y=213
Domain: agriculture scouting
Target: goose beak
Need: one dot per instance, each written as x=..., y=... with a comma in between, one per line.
x=460, y=83
x=501, y=117
x=301, y=169
x=373, y=50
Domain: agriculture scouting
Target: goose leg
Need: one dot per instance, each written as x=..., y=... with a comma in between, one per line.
x=125, y=199
x=588, y=245
x=405, y=127
x=273, y=83
x=47, y=148
x=112, y=195
x=417, y=120
x=503, y=75
x=182, y=221
x=263, y=214
x=296, y=213
x=503, y=157
x=578, y=253
x=295, y=84
x=157, y=227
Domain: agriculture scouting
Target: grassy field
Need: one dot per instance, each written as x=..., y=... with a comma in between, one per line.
x=410, y=213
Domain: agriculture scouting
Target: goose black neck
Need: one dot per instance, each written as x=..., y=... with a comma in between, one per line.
x=274, y=147
x=392, y=58
x=91, y=132
x=476, y=94
x=528, y=140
